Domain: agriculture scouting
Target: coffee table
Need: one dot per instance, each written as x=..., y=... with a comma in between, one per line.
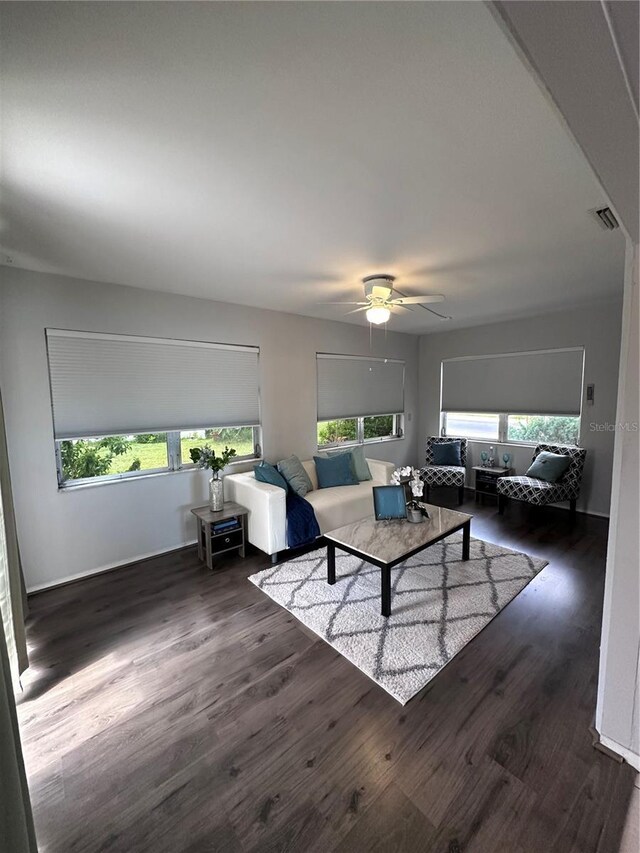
x=387, y=543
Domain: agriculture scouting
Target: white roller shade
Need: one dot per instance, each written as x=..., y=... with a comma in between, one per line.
x=351, y=386
x=544, y=382
x=117, y=384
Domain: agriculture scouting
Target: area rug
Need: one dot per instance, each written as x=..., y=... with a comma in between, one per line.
x=438, y=604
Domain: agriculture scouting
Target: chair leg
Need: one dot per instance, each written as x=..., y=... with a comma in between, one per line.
x=502, y=502
x=460, y=495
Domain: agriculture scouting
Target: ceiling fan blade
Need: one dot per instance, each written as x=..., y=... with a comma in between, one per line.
x=417, y=300
x=355, y=310
x=393, y=305
x=345, y=303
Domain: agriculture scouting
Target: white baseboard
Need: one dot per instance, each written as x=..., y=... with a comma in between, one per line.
x=624, y=752
x=108, y=567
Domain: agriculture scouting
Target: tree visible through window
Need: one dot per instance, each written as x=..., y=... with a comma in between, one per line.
x=120, y=456
x=96, y=457
x=357, y=430
x=543, y=428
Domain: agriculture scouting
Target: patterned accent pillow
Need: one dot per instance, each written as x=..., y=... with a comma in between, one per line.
x=548, y=466
x=293, y=471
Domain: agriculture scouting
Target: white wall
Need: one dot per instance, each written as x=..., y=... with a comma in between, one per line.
x=618, y=708
x=68, y=533
x=596, y=327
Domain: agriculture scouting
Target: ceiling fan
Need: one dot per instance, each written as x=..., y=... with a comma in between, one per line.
x=379, y=302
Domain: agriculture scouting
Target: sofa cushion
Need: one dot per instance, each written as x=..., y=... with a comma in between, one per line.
x=310, y=467
x=294, y=473
x=341, y=505
x=266, y=473
x=530, y=489
x=336, y=470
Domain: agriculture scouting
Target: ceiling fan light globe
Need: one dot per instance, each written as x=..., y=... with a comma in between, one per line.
x=378, y=315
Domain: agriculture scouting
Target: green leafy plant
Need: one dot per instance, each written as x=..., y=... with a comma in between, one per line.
x=151, y=438
x=332, y=432
x=206, y=457
x=81, y=459
x=556, y=430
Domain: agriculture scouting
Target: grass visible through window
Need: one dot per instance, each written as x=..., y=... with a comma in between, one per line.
x=240, y=438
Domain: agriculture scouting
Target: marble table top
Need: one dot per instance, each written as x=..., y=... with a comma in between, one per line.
x=388, y=541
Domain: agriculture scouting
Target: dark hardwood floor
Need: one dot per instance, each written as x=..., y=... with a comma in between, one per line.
x=168, y=708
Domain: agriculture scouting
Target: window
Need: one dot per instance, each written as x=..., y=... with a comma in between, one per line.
x=124, y=406
x=116, y=457
x=87, y=458
x=360, y=399
x=243, y=440
x=521, y=397
x=517, y=429
x=543, y=428
x=468, y=425
x=366, y=430
x=379, y=426
x=337, y=432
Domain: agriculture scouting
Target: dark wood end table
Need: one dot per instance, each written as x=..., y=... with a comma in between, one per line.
x=487, y=480
x=210, y=542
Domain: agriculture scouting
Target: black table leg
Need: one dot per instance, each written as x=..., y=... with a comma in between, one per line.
x=466, y=538
x=385, y=574
x=331, y=563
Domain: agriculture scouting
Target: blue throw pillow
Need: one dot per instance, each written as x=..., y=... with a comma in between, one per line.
x=266, y=473
x=293, y=471
x=548, y=466
x=447, y=453
x=335, y=470
x=360, y=464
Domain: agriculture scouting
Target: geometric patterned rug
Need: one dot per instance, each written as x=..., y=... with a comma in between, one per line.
x=438, y=604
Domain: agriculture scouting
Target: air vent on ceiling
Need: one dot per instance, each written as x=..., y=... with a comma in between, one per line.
x=605, y=218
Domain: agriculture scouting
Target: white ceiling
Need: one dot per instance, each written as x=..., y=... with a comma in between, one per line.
x=272, y=154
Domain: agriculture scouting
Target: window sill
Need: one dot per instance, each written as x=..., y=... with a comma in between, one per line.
x=368, y=443
x=186, y=469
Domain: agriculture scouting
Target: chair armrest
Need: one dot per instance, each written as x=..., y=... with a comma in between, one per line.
x=267, y=507
x=381, y=471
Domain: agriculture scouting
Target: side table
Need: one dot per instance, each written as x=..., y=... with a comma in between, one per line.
x=213, y=541
x=487, y=480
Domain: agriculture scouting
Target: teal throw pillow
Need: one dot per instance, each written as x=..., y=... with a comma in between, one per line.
x=447, y=453
x=266, y=473
x=336, y=470
x=293, y=471
x=548, y=466
x=360, y=464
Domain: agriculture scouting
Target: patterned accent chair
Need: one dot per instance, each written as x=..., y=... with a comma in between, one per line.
x=539, y=492
x=444, y=475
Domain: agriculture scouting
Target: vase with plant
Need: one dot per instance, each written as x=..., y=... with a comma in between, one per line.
x=411, y=477
x=206, y=457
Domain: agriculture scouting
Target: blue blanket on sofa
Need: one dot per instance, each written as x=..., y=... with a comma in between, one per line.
x=302, y=525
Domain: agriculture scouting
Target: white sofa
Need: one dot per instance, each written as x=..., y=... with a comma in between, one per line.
x=333, y=507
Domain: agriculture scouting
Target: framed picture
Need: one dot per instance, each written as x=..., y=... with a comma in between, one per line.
x=389, y=502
